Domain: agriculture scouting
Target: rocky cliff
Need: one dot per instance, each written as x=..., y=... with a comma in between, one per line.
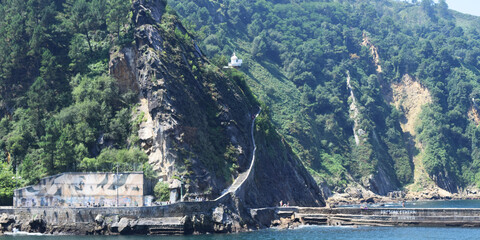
x=196, y=121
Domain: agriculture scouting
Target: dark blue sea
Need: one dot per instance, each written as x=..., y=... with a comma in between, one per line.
x=318, y=232
x=302, y=233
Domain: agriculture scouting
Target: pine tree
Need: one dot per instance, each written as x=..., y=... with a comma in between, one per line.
x=118, y=15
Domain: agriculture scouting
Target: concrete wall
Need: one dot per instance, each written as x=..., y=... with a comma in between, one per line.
x=87, y=215
x=84, y=189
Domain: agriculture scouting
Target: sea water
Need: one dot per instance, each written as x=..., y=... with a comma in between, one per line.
x=302, y=233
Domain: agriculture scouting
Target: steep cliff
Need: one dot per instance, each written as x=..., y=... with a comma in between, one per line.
x=196, y=121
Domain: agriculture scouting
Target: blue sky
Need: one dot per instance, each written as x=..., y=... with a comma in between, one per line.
x=465, y=6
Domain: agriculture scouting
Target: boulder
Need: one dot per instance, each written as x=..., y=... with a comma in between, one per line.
x=6, y=222
x=37, y=225
x=124, y=226
x=5, y=219
x=99, y=219
x=218, y=214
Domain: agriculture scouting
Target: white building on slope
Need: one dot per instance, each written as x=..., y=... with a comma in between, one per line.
x=234, y=62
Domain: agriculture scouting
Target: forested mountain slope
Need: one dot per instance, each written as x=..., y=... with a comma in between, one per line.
x=107, y=85
x=59, y=108
x=333, y=73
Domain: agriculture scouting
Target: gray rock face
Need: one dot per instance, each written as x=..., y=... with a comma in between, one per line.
x=446, y=182
x=122, y=67
x=192, y=117
x=381, y=182
x=281, y=177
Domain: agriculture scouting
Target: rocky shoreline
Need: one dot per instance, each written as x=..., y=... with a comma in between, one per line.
x=358, y=196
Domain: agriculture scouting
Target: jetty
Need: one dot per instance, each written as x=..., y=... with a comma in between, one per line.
x=433, y=217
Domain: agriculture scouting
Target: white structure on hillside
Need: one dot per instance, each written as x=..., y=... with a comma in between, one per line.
x=234, y=62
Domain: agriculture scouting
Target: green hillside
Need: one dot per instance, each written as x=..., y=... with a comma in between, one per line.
x=383, y=94
x=119, y=85
x=60, y=111
x=297, y=57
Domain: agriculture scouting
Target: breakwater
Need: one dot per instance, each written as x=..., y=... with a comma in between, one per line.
x=438, y=217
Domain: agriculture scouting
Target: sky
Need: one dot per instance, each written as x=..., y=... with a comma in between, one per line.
x=465, y=6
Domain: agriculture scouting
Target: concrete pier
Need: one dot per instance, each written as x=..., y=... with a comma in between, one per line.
x=437, y=217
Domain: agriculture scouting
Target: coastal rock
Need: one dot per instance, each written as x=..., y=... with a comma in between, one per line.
x=381, y=182
x=124, y=226
x=217, y=215
x=396, y=194
x=99, y=219
x=202, y=224
x=6, y=219
x=6, y=222
x=37, y=225
x=354, y=192
x=184, y=111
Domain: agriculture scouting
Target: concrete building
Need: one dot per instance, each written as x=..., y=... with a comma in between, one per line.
x=87, y=190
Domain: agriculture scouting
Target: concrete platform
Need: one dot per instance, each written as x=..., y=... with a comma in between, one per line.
x=437, y=217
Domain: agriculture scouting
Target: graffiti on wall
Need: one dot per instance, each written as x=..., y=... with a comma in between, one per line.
x=84, y=190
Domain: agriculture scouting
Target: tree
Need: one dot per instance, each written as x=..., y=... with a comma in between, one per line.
x=427, y=6
x=7, y=184
x=117, y=15
x=65, y=150
x=48, y=145
x=162, y=193
x=82, y=17
x=443, y=8
x=76, y=18
x=32, y=167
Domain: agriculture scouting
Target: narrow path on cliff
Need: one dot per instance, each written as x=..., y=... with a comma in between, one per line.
x=243, y=176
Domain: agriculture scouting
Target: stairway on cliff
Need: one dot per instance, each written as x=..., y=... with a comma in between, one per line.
x=242, y=177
